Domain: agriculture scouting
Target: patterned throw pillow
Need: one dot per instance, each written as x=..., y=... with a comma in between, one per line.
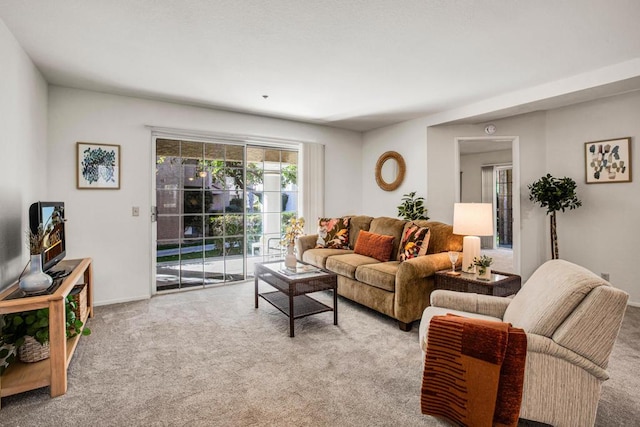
x=415, y=241
x=333, y=233
x=378, y=246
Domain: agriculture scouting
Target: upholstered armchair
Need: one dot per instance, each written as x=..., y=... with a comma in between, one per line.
x=572, y=318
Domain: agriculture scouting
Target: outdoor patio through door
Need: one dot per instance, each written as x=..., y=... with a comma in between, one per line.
x=221, y=207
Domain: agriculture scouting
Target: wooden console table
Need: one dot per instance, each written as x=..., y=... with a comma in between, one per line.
x=21, y=377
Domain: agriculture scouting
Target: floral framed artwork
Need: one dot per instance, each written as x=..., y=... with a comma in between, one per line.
x=98, y=166
x=608, y=161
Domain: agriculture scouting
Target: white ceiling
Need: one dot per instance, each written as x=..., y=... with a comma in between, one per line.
x=355, y=64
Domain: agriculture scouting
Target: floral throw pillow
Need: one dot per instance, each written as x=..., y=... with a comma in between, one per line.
x=333, y=233
x=414, y=243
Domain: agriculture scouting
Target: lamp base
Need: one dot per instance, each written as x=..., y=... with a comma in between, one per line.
x=470, y=250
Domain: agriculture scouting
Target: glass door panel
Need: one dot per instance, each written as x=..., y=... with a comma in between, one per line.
x=220, y=208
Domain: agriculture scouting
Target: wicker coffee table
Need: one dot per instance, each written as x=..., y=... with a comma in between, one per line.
x=292, y=288
x=500, y=284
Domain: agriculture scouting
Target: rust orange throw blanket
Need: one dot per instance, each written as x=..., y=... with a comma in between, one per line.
x=473, y=371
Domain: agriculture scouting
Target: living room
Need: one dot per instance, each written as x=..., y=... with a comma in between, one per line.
x=552, y=120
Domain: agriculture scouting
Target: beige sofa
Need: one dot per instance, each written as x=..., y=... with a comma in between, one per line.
x=572, y=318
x=398, y=289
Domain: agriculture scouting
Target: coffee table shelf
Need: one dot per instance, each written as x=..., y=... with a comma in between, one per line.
x=303, y=305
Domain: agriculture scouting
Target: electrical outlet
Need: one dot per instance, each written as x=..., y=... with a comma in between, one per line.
x=605, y=276
x=135, y=211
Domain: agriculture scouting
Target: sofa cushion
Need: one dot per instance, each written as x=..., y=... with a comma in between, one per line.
x=346, y=265
x=414, y=243
x=552, y=292
x=318, y=257
x=378, y=246
x=381, y=275
x=442, y=238
x=357, y=224
x=390, y=227
x=333, y=233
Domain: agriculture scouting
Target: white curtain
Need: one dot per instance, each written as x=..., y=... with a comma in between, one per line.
x=488, y=196
x=312, y=206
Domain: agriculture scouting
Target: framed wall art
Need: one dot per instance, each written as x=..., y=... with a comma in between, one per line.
x=98, y=166
x=608, y=161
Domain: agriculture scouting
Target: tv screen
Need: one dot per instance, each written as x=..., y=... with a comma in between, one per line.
x=51, y=216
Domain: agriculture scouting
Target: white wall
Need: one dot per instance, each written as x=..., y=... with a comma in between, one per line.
x=23, y=137
x=409, y=140
x=471, y=168
x=100, y=223
x=530, y=130
x=601, y=234
x=598, y=236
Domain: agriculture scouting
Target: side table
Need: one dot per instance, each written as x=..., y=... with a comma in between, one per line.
x=500, y=284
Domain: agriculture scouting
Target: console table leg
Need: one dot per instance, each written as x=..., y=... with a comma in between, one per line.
x=58, y=350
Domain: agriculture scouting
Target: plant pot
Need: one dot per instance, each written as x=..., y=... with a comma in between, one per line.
x=36, y=280
x=483, y=273
x=32, y=350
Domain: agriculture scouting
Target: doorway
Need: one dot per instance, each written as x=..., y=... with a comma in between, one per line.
x=487, y=171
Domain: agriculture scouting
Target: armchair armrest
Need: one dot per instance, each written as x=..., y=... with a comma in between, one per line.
x=304, y=243
x=543, y=345
x=472, y=303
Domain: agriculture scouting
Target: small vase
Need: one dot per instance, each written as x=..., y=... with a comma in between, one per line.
x=36, y=280
x=484, y=273
x=290, y=260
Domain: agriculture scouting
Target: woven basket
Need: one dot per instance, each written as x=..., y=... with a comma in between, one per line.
x=79, y=294
x=32, y=350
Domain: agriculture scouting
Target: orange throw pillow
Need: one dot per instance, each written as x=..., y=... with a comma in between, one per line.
x=378, y=246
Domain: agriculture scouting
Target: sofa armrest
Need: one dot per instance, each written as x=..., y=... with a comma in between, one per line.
x=304, y=243
x=421, y=267
x=488, y=305
x=414, y=283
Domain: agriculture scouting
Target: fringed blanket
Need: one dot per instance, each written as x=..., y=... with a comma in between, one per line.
x=473, y=371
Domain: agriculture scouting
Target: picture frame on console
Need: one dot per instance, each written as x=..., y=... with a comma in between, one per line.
x=608, y=161
x=97, y=166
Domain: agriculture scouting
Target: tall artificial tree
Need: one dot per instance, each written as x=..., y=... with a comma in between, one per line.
x=555, y=194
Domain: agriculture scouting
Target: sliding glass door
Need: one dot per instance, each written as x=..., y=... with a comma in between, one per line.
x=272, y=199
x=220, y=208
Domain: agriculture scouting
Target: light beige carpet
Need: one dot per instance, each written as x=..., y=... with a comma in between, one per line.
x=208, y=358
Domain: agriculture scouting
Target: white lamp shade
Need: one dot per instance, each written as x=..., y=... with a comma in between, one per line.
x=473, y=219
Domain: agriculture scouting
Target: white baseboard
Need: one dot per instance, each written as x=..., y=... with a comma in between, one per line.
x=633, y=304
x=121, y=300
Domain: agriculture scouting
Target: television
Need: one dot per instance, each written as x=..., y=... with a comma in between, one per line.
x=45, y=214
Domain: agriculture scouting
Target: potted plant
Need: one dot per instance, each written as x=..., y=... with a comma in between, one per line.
x=412, y=207
x=483, y=267
x=555, y=194
x=28, y=331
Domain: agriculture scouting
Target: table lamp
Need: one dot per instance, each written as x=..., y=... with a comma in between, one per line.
x=472, y=220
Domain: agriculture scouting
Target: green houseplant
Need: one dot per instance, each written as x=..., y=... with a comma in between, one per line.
x=555, y=194
x=35, y=323
x=412, y=207
x=483, y=263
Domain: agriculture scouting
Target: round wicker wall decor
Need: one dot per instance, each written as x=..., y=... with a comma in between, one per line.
x=390, y=155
